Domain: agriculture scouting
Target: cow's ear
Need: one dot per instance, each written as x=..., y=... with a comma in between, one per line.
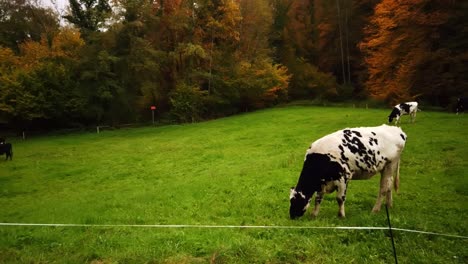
x=292, y=193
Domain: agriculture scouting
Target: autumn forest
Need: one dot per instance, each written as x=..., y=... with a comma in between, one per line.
x=108, y=61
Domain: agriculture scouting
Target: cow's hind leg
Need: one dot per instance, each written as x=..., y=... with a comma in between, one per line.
x=386, y=180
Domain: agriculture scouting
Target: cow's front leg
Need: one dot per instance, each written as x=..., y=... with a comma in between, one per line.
x=341, y=197
x=318, y=200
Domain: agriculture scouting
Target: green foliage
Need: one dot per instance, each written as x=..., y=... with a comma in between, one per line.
x=100, y=83
x=309, y=82
x=48, y=93
x=88, y=15
x=230, y=171
x=260, y=84
x=280, y=9
x=39, y=84
x=8, y=81
x=187, y=103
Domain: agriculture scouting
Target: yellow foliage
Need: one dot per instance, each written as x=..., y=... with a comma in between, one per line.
x=8, y=59
x=33, y=52
x=67, y=43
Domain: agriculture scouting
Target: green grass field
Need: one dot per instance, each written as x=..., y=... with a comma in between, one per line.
x=231, y=171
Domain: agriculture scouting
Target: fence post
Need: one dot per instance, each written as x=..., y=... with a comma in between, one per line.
x=97, y=129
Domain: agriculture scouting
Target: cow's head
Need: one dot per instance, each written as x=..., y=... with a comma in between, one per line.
x=394, y=114
x=299, y=203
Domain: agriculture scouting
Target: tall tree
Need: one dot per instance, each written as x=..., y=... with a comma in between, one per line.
x=255, y=29
x=296, y=23
x=39, y=84
x=23, y=20
x=88, y=15
x=403, y=40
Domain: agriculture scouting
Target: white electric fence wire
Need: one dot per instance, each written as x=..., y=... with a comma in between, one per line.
x=236, y=227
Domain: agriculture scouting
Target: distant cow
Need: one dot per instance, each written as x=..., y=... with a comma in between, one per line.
x=6, y=148
x=409, y=108
x=352, y=153
x=462, y=104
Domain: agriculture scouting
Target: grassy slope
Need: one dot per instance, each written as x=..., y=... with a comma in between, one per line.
x=232, y=171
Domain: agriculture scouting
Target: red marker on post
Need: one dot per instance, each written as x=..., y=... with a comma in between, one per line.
x=153, y=107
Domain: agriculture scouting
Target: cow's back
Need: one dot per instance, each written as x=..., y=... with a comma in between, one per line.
x=362, y=151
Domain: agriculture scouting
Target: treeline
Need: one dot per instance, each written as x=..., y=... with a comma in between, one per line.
x=107, y=62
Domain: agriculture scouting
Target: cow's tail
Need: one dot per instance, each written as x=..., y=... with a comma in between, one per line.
x=396, y=180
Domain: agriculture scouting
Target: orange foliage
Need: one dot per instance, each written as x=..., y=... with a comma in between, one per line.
x=229, y=23
x=396, y=45
x=172, y=6
x=300, y=25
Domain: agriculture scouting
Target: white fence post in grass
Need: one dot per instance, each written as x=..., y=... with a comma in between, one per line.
x=97, y=129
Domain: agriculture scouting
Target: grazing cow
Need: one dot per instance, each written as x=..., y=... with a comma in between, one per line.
x=462, y=104
x=409, y=108
x=6, y=148
x=352, y=153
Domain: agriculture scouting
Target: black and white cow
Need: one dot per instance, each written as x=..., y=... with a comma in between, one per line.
x=6, y=148
x=353, y=153
x=408, y=108
x=462, y=104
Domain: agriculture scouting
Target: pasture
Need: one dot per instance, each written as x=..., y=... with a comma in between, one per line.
x=230, y=171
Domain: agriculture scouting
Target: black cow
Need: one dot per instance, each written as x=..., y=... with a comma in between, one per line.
x=353, y=153
x=6, y=148
x=462, y=104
